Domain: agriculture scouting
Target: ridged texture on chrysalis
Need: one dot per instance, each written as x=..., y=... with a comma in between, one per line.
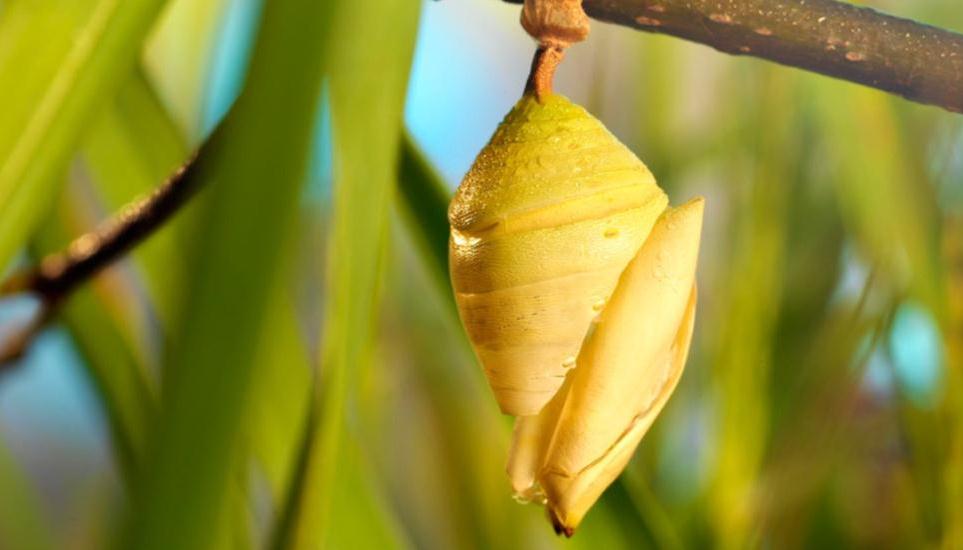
x=627, y=369
x=577, y=288
x=542, y=226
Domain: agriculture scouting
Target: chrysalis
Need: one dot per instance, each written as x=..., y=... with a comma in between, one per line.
x=542, y=226
x=575, y=283
x=576, y=286
x=627, y=368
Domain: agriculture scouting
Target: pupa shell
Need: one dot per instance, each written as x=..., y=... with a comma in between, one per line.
x=627, y=370
x=542, y=226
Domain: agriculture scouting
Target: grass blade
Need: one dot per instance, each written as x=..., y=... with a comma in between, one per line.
x=107, y=333
x=21, y=525
x=256, y=163
x=424, y=199
x=123, y=165
x=368, y=85
x=103, y=332
x=55, y=95
x=280, y=394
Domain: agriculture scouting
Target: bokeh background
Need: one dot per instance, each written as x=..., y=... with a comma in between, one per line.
x=821, y=405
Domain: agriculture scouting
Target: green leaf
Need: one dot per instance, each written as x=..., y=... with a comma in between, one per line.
x=123, y=164
x=104, y=335
x=118, y=373
x=281, y=393
x=179, y=63
x=255, y=164
x=22, y=527
x=424, y=199
x=887, y=203
x=62, y=73
x=363, y=517
x=368, y=85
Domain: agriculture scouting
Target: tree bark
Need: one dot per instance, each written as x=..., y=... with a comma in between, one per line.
x=919, y=62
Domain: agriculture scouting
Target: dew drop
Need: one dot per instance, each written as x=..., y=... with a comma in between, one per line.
x=568, y=363
x=532, y=494
x=611, y=233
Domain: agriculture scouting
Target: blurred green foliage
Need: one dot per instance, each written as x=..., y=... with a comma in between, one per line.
x=285, y=369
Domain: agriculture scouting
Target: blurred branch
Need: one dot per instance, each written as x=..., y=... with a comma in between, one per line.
x=60, y=273
x=919, y=62
x=15, y=345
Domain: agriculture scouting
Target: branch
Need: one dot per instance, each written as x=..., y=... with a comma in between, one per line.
x=919, y=62
x=59, y=274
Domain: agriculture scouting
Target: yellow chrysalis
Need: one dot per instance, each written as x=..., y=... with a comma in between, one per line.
x=576, y=286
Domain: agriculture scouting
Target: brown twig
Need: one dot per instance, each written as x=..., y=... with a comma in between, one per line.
x=556, y=25
x=544, y=64
x=919, y=62
x=15, y=346
x=60, y=273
